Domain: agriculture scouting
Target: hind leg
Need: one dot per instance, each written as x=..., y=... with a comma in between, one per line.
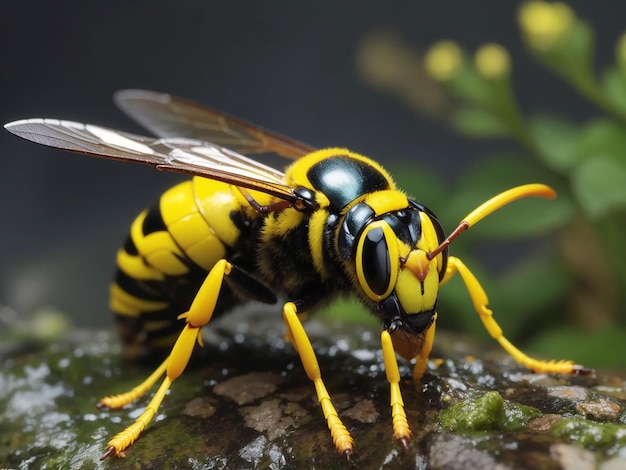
x=199, y=314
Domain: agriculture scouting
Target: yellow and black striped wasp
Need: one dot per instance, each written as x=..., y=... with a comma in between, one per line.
x=332, y=224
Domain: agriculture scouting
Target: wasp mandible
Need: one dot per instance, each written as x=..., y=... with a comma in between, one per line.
x=333, y=223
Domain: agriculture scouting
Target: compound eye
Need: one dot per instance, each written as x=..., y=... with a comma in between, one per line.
x=377, y=260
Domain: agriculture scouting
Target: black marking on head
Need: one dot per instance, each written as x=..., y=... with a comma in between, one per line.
x=355, y=220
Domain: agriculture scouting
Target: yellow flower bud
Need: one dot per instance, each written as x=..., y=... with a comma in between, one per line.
x=492, y=61
x=443, y=60
x=545, y=24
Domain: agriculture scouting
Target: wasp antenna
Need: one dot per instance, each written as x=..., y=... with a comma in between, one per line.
x=507, y=197
x=463, y=226
x=492, y=205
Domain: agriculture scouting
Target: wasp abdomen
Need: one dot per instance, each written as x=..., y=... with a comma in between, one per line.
x=167, y=255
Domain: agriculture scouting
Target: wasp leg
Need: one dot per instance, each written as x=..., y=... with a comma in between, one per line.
x=341, y=437
x=198, y=315
x=421, y=361
x=401, y=430
x=122, y=399
x=480, y=301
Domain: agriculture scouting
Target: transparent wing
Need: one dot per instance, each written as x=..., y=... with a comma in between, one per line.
x=168, y=116
x=177, y=154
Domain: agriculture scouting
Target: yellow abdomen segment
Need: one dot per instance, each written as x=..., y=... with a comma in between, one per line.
x=187, y=224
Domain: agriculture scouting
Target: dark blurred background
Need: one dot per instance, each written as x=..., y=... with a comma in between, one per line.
x=295, y=67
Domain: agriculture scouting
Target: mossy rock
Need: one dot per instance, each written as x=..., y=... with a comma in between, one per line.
x=246, y=403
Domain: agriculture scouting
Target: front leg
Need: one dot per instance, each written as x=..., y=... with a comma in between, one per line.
x=421, y=360
x=401, y=430
x=480, y=301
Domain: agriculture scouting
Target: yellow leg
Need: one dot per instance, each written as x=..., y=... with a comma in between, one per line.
x=122, y=399
x=421, y=361
x=480, y=301
x=199, y=314
x=401, y=430
x=124, y=439
x=341, y=437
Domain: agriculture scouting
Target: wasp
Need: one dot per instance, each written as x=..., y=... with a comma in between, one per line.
x=333, y=223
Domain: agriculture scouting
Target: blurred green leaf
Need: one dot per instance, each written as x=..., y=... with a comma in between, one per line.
x=349, y=310
x=603, y=137
x=614, y=86
x=524, y=218
x=479, y=122
x=518, y=297
x=611, y=230
x=599, y=184
x=557, y=139
x=539, y=280
x=605, y=348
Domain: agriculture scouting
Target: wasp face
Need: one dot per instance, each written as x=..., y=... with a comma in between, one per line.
x=390, y=252
x=410, y=309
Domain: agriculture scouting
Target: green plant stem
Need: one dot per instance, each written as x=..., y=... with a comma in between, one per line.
x=505, y=105
x=611, y=232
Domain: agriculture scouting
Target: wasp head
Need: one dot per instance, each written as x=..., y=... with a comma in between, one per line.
x=394, y=270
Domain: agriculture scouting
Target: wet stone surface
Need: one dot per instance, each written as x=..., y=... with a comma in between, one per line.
x=246, y=403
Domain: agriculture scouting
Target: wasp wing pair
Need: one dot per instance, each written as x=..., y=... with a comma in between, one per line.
x=192, y=139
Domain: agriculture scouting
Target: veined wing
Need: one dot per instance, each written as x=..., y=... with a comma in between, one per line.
x=168, y=116
x=177, y=154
